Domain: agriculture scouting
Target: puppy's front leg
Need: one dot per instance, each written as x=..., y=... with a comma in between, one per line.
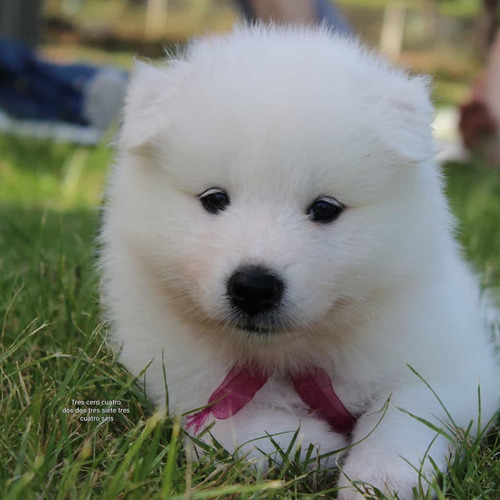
x=257, y=432
x=397, y=446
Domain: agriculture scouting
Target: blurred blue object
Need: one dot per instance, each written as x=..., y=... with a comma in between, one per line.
x=326, y=12
x=31, y=88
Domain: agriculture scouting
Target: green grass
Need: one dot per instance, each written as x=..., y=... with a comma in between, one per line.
x=459, y=8
x=53, y=350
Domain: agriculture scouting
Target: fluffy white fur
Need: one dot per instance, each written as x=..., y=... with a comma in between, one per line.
x=277, y=117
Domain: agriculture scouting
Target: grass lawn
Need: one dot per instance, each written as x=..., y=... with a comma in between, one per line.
x=53, y=351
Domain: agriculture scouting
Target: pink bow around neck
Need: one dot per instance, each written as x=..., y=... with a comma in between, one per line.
x=241, y=384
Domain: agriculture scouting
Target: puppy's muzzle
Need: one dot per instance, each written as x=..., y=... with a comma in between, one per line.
x=254, y=289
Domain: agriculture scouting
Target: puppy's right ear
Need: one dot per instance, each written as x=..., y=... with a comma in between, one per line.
x=149, y=90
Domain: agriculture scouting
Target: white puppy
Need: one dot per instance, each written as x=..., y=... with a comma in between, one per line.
x=276, y=221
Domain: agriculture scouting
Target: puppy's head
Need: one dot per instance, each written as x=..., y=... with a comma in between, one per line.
x=272, y=176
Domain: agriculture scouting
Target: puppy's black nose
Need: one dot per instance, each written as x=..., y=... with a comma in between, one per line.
x=254, y=289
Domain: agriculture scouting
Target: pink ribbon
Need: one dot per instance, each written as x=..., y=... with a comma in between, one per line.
x=242, y=383
x=237, y=389
x=316, y=391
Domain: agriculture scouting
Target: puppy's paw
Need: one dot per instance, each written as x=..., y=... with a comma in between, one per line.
x=392, y=477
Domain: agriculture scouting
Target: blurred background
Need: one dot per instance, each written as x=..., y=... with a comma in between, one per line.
x=443, y=36
x=446, y=38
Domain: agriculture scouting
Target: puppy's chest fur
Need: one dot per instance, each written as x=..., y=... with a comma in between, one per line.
x=279, y=393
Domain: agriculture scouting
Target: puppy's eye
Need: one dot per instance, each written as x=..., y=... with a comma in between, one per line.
x=214, y=200
x=325, y=209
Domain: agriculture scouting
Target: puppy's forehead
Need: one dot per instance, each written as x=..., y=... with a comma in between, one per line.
x=310, y=113
x=269, y=137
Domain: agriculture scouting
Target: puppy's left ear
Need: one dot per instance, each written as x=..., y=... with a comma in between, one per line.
x=149, y=91
x=406, y=116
